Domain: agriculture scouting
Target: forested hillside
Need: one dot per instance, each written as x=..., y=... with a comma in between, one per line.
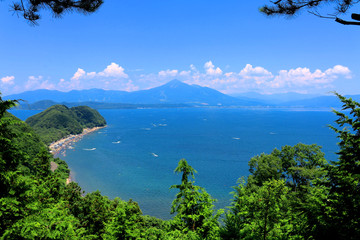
x=291, y=193
x=59, y=121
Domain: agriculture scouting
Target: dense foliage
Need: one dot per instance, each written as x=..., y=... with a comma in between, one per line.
x=193, y=206
x=291, y=193
x=59, y=121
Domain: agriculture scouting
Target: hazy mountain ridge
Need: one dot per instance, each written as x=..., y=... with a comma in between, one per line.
x=88, y=95
x=172, y=94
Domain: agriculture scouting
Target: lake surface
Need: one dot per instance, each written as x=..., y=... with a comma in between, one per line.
x=135, y=156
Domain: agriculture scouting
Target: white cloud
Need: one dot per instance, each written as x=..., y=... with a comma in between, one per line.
x=112, y=77
x=211, y=70
x=80, y=73
x=303, y=77
x=249, y=71
x=111, y=71
x=168, y=73
x=247, y=78
x=257, y=78
x=339, y=70
x=259, y=74
x=185, y=73
x=38, y=83
x=8, y=80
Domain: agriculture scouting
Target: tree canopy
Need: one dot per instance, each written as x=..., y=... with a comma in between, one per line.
x=30, y=9
x=194, y=206
x=291, y=7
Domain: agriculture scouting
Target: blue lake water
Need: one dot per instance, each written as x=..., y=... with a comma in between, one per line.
x=135, y=156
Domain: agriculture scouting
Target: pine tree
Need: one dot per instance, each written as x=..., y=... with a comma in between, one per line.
x=344, y=174
x=194, y=206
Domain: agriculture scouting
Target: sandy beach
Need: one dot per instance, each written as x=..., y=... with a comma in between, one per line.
x=64, y=143
x=70, y=178
x=61, y=145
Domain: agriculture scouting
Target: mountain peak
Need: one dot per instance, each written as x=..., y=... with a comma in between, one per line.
x=174, y=83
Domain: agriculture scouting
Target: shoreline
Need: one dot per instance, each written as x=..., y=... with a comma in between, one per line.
x=61, y=145
x=70, y=178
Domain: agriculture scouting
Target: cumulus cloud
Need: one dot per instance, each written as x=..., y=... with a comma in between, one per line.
x=246, y=78
x=38, y=83
x=255, y=72
x=299, y=77
x=111, y=71
x=303, y=77
x=168, y=73
x=259, y=74
x=9, y=80
x=112, y=77
x=339, y=70
x=7, y=83
x=211, y=70
x=257, y=78
x=80, y=73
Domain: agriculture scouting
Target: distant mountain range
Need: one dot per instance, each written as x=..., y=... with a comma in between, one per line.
x=172, y=94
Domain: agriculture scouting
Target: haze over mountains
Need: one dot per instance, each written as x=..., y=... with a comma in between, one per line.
x=172, y=94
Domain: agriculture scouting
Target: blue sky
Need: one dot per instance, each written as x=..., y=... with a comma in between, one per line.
x=137, y=44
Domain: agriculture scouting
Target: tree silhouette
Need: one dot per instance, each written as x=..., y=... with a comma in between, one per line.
x=29, y=9
x=291, y=7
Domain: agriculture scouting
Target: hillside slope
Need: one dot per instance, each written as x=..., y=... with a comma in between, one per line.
x=59, y=121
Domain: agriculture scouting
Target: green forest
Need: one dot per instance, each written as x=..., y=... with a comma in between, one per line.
x=290, y=193
x=59, y=121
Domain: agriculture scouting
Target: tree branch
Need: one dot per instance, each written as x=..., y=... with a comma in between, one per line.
x=355, y=16
x=339, y=20
x=291, y=7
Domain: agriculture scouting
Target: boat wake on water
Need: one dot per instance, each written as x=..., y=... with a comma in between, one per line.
x=89, y=149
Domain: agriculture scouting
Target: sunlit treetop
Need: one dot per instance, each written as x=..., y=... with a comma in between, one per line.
x=291, y=7
x=30, y=9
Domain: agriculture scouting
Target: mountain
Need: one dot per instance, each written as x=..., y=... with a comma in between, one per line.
x=59, y=121
x=90, y=95
x=173, y=92
x=177, y=92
